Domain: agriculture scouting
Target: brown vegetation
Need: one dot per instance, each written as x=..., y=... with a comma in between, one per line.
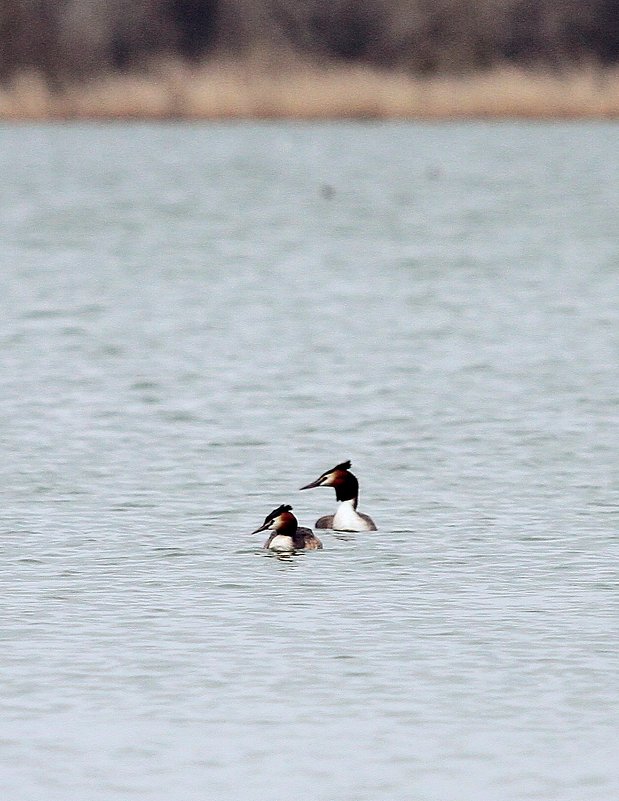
x=318, y=58
x=232, y=90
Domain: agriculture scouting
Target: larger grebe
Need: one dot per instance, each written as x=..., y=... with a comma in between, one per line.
x=286, y=534
x=346, y=487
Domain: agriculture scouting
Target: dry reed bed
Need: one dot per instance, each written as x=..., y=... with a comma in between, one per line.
x=229, y=91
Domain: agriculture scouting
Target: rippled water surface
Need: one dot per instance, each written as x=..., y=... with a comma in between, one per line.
x=197, y=320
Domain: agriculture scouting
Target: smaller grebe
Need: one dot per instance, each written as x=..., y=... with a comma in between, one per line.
x=346, y=487
x=287, y=535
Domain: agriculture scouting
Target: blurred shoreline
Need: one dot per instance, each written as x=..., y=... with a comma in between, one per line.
x=246, y=90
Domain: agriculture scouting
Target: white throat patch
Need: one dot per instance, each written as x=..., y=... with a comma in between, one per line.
x=281, y=542
x=347, y=519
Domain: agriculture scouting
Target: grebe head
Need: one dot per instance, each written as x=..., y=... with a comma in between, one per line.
x=343, y=482
x=280, y=519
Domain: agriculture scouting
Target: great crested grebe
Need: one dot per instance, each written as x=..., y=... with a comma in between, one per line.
x=286, y=534
x=346, y=487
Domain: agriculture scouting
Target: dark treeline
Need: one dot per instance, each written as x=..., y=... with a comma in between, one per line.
x=66, y=39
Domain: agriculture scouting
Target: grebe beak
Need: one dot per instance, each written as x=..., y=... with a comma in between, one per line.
x=313, y=484
x=263, y=527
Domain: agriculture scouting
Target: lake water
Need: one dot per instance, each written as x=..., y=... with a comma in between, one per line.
x=195, y=320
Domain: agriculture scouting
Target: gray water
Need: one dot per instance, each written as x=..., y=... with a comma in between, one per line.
x=197, y=320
